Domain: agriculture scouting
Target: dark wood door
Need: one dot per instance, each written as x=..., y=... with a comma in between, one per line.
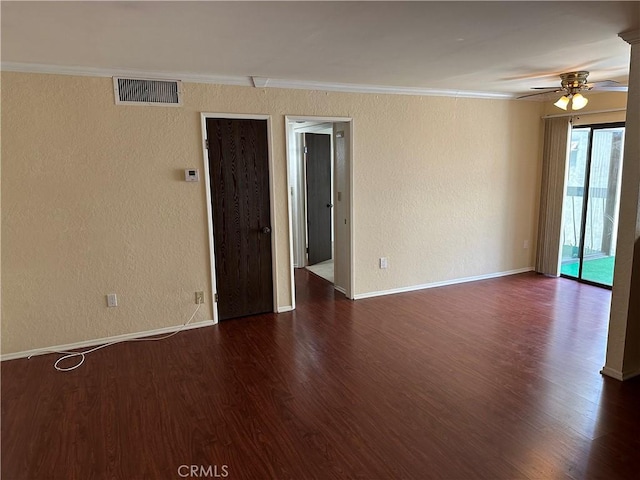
x=239, y=173
x=319, y=202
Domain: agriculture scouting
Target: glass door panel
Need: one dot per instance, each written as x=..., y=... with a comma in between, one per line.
x=573, y=203
x=602, y=206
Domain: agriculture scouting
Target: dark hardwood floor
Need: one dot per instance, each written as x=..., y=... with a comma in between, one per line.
x=495, y=379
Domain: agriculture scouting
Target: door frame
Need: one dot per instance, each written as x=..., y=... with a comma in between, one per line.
x=303, y=217
x=350, y=290
x=205, y=155
x=587, y=186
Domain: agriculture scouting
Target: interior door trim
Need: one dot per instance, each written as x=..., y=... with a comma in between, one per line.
x=272, y=200
x=351, y=291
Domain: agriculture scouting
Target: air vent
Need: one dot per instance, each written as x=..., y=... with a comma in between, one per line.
x=138, y=91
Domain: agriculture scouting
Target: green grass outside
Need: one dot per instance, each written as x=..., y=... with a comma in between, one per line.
x=599, y=270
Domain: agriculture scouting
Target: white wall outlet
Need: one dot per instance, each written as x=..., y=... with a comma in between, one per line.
x=191, y=175
x=199, y=298
x=383, y=262
x=112, y=300
x=525, y=244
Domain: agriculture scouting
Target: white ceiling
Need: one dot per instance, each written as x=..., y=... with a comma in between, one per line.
x=502, y=47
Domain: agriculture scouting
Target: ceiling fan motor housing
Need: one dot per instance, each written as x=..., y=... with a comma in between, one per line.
x=573, y=82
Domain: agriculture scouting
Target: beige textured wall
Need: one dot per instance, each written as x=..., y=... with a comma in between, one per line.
x=94, y=202
x=445, y=189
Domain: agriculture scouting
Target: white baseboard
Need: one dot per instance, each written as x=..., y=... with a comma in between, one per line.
x=283, y=309
x=102, y=341
x=618, y=375
x=340, y=289
x=454, y=281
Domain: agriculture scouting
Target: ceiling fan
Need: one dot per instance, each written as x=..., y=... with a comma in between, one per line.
x=571, y=86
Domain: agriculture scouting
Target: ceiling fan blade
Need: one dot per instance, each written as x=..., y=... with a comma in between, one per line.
x=544, y=88
x=605, y=83
x=621, y=88
x=539, y=93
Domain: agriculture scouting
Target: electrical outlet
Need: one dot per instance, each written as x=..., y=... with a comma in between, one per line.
x=199, y=298
x=112, y=300
x=525, y=244
x=383, y=262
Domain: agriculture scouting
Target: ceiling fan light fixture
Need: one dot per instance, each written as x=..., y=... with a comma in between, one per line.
x=578, y=101
x=563, y=102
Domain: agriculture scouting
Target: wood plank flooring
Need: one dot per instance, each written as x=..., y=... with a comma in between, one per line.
x=495, y=379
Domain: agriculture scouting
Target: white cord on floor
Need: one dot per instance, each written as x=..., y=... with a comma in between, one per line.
x=82, y=355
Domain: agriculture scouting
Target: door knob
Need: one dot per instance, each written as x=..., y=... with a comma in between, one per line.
x=266, y=230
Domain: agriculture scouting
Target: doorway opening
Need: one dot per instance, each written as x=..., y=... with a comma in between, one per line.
x=591, y=203
x=320, y=215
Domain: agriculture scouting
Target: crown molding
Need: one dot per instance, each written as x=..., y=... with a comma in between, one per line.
x=105, y=72
x=632, y=37
x=249, y=81
x=381, y=89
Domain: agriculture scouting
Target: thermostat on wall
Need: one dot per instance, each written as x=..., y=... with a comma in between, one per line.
x=191, y=175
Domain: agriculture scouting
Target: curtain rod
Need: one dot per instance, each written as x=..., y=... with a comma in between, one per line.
x=579, y=114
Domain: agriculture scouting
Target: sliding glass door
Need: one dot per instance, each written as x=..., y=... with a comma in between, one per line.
x=592, y=198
